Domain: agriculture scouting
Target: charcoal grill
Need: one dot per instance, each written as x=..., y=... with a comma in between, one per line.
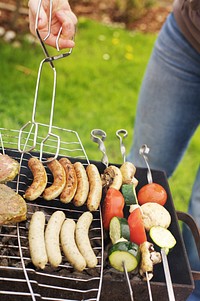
x=19, y=280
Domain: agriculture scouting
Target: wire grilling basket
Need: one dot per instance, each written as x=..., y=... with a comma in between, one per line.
x=19, y=280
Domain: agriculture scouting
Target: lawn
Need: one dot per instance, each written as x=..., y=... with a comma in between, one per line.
x=97, y=87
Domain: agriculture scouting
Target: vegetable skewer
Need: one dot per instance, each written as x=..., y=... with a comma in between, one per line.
x=143, y=151
x=133, y=182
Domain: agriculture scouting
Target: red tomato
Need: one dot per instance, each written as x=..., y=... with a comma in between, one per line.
x=112, y=206
x=137, y=230
x=152, y=192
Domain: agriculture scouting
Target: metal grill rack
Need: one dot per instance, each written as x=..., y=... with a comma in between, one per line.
x=19, y=280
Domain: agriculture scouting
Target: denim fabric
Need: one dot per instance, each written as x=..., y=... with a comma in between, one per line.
x=168, y=112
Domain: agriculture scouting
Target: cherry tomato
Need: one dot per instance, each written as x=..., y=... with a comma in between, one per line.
x=152, y=192
x=112, y=206
x=136, y=225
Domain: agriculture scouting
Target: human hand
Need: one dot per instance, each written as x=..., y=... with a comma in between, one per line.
x=62, y=16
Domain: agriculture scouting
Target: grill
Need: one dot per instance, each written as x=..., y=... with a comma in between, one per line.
x=19, y=280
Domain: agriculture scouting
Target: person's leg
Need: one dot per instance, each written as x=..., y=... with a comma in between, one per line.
x=168, y=111
x=168, y=108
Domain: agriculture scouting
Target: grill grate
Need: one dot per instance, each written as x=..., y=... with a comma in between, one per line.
x=19, y=280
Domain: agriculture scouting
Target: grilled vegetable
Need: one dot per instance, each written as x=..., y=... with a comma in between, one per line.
x=52, y=238
x=162, y=237
x=112, y=177
x=9, y=168
x=149, y=257
x=95, y=190
x=69, y=190
x=69, y=247
x=36, y=240
x=136, y=225
x=153, y=193
x=128, y=172
x=82, y=185
x=154, y=214
x=113, y=205
x=59, y=180
x=119, y=229
x=129, y=193
x=124, y=252
x=39, y=179
x=82, y=239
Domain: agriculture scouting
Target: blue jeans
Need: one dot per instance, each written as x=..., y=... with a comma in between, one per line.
x=168, y=114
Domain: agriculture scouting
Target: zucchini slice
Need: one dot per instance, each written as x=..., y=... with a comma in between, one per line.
x=128, y=191
x=124, y=252
x=162, y=237
x=118, y=229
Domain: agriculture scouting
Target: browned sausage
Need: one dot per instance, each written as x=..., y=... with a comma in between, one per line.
x=39, y=179
x=71, y=181
x=82, y=185
x=95, y=187
x=59, y=181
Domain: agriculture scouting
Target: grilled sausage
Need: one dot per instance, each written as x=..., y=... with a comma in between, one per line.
x=39, y=179
x=71, y=181
x=52, y=238
x=112, y=177
x=95, y=187
x=69, y=246
x=36, y=240
x=59, y=181
x=82, y=239
x=82, y=185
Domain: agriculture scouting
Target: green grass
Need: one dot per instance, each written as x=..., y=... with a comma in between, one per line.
x=97, y=87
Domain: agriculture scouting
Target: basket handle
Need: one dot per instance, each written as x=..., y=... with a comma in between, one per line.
x=190, y=222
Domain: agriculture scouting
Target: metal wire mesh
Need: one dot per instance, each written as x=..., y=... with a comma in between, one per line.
x=19, y=279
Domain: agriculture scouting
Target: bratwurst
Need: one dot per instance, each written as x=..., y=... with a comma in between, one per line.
x=39, y=179
x=59, y=180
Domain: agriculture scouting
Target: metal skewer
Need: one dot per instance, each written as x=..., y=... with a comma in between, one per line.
x=98, y=136
x=122, y=147
x=149, y=287
x=121, y=134
x=167, y=276
x=144, y=150
x=128, y=281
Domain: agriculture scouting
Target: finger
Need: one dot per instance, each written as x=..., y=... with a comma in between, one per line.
x=42, y=18
x=63, y=43
x=68, y=21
